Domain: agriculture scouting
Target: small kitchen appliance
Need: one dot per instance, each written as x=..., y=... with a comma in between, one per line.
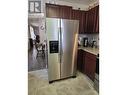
x=85, y=42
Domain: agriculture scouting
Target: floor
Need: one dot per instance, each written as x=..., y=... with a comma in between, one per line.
x=38, y=85
x=34, y=62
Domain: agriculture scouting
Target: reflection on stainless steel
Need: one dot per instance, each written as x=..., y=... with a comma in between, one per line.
x=62, y=64
x=53, y=62
x=74, y=58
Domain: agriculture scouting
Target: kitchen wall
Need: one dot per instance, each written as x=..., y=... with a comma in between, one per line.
x=91, y=37
x=38, y=25
x=38, y=20
x=42, y=5
x=74, y=5
x=33, y=17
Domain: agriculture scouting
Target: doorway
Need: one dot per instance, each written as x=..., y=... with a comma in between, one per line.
x=37, y=48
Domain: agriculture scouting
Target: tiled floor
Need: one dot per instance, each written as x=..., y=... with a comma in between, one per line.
x=36, y=63
x=38, y=85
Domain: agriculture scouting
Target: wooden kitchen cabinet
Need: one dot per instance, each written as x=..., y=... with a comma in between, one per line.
x=93, y=20
x=77, y=15
x=81, y=16
x=84, y=22
x=65, y=12
x=58, y=11
x=86, y=63
x=97, y=20
x=52, y=11
x=88, y=20
x=89, y=65
x=80, y=65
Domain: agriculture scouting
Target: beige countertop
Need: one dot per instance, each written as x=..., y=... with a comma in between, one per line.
x=94, y=51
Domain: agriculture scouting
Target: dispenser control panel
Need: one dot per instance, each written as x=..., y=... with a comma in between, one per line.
x=54, y=46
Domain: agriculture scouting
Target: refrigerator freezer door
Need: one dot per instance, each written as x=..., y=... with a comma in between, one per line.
x=69, y=34
x=52, y=26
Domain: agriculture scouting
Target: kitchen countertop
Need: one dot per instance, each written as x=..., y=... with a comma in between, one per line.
x=94, y=51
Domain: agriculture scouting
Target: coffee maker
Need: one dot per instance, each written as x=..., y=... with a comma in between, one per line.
x=85, y=42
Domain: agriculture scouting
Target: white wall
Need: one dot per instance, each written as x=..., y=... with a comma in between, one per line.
x=42, y=32
x=38, y=20
x=42, y=4
x=38, y=23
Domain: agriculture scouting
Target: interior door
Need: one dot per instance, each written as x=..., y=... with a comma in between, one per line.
x=69, y=34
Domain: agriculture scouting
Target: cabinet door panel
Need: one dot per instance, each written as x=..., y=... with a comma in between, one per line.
x=84, y=22
x=97, y=20
x=58, y=11
x=92, y=20
x=80, y=64
x=65, y=12
x=90, y=56
x=90, y=65
x=90, y=23
x=78, y=15
x=52, y=11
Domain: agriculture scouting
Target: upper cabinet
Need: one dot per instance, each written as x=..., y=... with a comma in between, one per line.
x=65, y=12
x=97, y=20
x=93, y=20
x=52, y=11
x=84, y=22
x=88, y=20
x=78, y=15
x=58, y=11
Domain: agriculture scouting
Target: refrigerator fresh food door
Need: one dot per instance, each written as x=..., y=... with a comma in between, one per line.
x=69, y=34
x=52, y=26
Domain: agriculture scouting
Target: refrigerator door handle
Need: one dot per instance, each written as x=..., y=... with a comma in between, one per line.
x=61, y=44
x=59, y=38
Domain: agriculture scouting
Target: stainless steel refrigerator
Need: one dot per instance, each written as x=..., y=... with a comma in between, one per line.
x=62, y=42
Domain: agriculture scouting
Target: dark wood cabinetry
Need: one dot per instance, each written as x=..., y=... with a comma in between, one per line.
x=90, y=65
x=52, y=11
x=58, y=11
x=80, y=64
x=88, y=20
x=65, y=12
x=97, y=20
x=77, y=15
x=93, y=20
x=86, y=63
x=84, y=22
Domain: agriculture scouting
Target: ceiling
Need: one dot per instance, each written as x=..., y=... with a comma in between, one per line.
x=85, y=2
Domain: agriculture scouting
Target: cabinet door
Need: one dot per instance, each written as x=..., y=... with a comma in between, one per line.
x=52, y=11
x=90, y=68
x=75, y=14
x=97, y=20
x=58, y=11
x=91, y=20
x=84, y=22
x=78, y=15
x=65, y=12
x=80, y=61
x=90, y=65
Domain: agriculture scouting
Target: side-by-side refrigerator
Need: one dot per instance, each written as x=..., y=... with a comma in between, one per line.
x=62, y=42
